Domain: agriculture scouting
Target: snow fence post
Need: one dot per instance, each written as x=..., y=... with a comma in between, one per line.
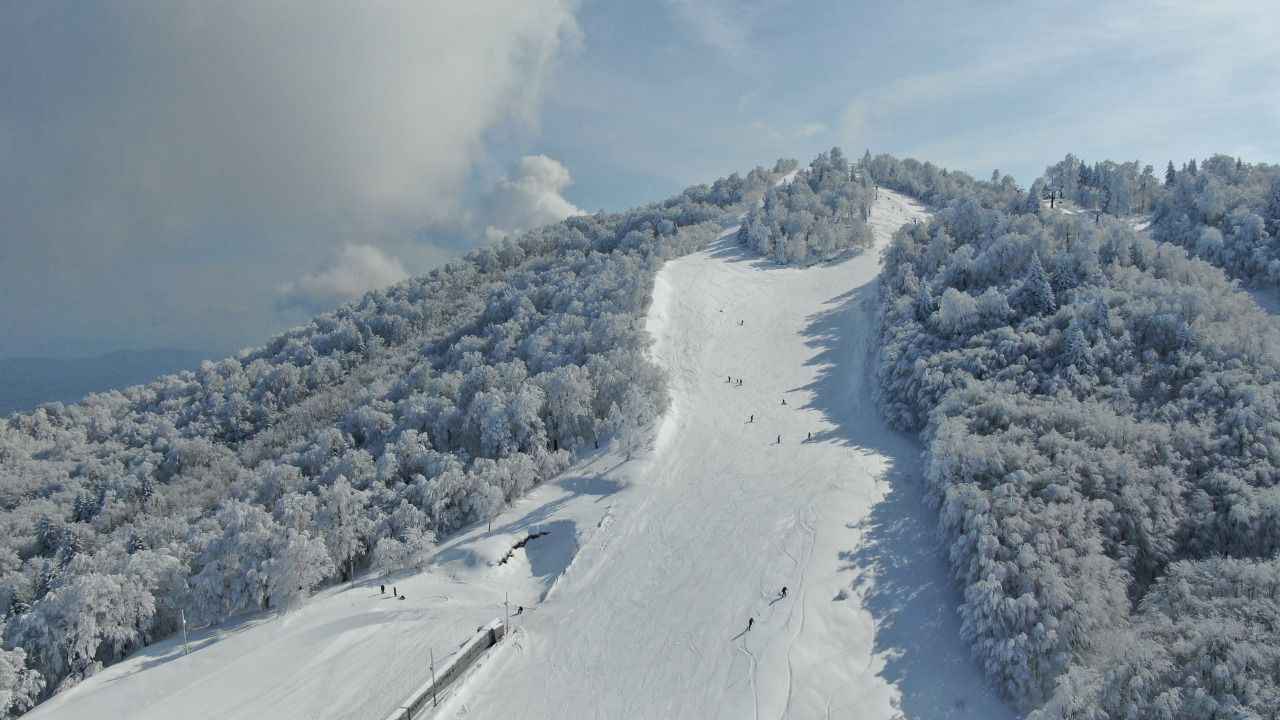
x=183, y=613
x=433, y=677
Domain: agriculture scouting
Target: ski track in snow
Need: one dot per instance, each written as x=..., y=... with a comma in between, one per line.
x=719, y=517
x=637, y=601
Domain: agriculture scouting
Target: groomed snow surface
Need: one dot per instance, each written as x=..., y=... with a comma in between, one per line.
x=637, y=601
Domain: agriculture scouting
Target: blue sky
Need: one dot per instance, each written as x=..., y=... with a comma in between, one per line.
x=202, y=176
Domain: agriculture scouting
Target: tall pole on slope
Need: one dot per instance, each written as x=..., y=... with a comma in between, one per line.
x=183, y=614
x=433, y=677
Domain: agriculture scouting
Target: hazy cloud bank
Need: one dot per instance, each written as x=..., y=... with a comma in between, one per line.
x=168, y=165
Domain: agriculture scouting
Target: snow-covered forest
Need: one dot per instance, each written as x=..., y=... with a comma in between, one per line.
x=1098, y=411
x=1223, y=210
x=1226, y=211
x=1099, y=416
x=351, y=442
x=820, y=213
x=1110, y=187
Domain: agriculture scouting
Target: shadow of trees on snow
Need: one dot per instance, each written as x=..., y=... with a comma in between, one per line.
x=900, y=567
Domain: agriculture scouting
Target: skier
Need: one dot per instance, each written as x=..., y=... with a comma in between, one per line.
x=753, y=419
x=808, y=438
x=779, y=439
x=784, y=401
x=394, y=591
x=784, y=591
x=750, y=621
x=382, y=589
x=730, y=378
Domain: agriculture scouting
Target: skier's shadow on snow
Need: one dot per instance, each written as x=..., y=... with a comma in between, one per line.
x=900, y=566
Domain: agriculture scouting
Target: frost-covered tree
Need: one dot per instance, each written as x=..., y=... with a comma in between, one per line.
x=631, y=422
x=298, y=564
x=20, y=686
x=924, y=303
x=1036, y=293
x=957, y=312
x=1034, y=195
x=344, y=523
x=1075, y=351
x=1273, y=208
x=993, y=308
x=393, y=554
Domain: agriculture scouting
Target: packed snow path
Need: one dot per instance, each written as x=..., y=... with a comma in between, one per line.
x=651, y=621
x=639, y=594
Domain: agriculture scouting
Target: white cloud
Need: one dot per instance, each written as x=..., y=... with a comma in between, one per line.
x=530, y=199
x=355, y=271
x=144, y=144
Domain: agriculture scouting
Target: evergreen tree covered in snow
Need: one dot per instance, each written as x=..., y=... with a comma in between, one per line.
x=1036, y=294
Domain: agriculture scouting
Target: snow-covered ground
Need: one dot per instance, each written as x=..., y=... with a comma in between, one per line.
x=639, y=597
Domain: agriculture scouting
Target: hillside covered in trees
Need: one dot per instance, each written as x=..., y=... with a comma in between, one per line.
x=351, y=442
x=1098, y=409
x=1099, y=414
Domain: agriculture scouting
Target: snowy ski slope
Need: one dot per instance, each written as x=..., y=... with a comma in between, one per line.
x=650, y=621
x=638, y=598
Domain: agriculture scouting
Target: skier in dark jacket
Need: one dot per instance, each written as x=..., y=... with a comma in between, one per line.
x=784, y=591
x=750, y=621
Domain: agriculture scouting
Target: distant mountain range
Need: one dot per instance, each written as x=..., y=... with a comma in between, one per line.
x=26, y=382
